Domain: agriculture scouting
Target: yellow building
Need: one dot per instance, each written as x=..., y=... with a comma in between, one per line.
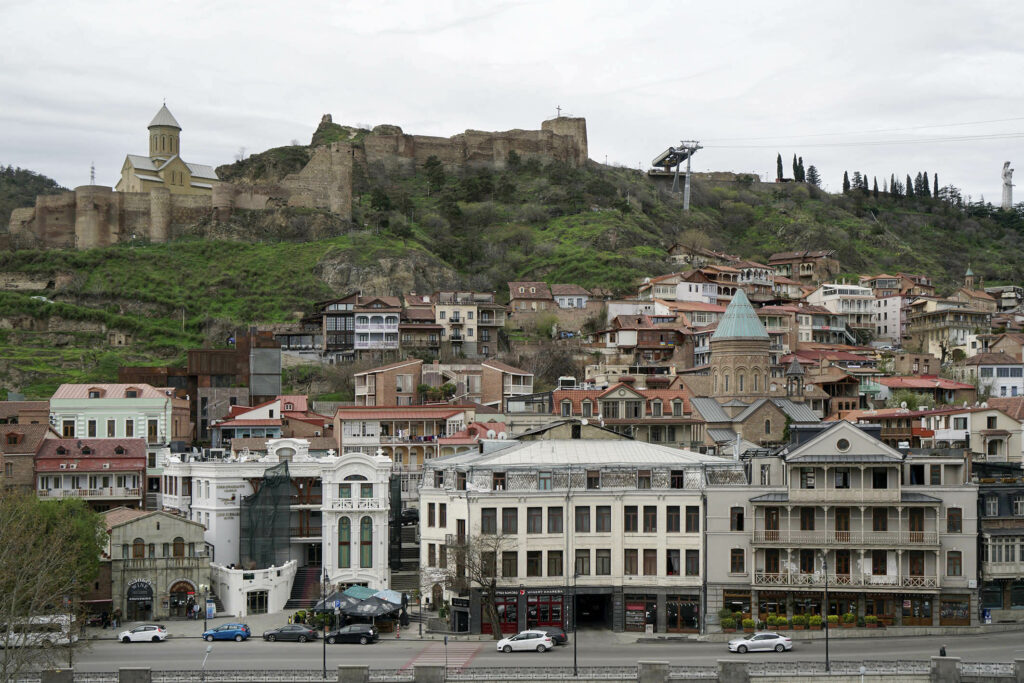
x=164, y=166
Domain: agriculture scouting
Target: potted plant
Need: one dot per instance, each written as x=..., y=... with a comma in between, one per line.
x=860, y=622
x=783, y=623
x=772, y=621
x=814, y=621
x=748, y=624
x=725, y=613
x=728, y=624
x=800, y=622
x=833, y=620
x=849, y=620
x=871, y=621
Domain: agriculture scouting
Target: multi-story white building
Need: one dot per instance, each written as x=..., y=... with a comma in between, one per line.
x=887, y=317
x=376, y=325
x=892, y=536
x=325, y=514
x=1000, y=374
x=570, y=507
x=853, y=302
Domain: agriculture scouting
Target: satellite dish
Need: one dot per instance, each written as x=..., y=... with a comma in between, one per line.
x=502, y=436
x=491, y=433
x=985, y=404
x=903, y=404
x=584, y=421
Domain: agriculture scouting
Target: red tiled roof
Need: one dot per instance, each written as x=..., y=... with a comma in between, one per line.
x=389, y=366
x=542, y=290
x=122, y=515
x=14, y=408
x=109, y=390
x=29, y=438
x=568, y=290
x=103, y=451
x=998, y=358
x=922, y=382
x=1012, y=406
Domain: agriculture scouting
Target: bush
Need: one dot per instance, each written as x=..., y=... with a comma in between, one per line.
x=748, y=623
x=725, y=613
x=801, y=620
x=871, y=619
x=814, y=621
x=833, y=619
x=728, y=622
x=772, y=621
x=849, y=618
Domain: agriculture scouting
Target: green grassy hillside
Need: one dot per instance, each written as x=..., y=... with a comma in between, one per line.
x=597, y=227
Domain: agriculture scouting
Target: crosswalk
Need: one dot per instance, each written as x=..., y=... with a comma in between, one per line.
x=460, y=654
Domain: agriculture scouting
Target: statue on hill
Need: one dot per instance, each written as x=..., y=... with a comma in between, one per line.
x=1007, y=186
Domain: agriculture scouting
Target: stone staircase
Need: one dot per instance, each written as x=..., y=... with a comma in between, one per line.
x=305, y=589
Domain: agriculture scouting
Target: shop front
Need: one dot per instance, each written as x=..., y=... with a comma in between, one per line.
x=682, y=613
x=139, y=599
x=917, y=610
x=545, y=610
x=641, y=610
x=737, y=601
x=808, y=604
x=769, y=603
x=522, y=608
x=182, y=597
x=882, y=606
x=506, y=603
x=955, y=610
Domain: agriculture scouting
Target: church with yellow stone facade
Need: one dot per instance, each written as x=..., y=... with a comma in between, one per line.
x=164, y=166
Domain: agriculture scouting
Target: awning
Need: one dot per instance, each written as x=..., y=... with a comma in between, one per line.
x=372, y=607
x=360, y=592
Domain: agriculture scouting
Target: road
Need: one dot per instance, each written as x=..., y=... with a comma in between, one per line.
x=594, y=649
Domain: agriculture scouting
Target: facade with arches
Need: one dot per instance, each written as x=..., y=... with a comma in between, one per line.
x=159, y=562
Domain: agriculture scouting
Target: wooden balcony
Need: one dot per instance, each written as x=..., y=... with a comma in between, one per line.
x=859, y=538
x=796, y=580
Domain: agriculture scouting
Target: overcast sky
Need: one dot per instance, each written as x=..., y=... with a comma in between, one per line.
x=880, y=87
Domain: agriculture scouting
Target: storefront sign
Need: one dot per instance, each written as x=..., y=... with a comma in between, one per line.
x=140, y=591
x=460, y=602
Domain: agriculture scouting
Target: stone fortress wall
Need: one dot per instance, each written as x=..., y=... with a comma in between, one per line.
x=96, y=216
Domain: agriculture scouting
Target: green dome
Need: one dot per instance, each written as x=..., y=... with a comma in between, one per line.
x=740, y=321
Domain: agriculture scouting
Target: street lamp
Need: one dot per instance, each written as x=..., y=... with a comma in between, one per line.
x=323, y=615
x=575, y=575
x=824, y=568
x=205, y=590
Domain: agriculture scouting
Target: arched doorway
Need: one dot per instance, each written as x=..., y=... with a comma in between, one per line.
x=183, y=596
x=139, y=599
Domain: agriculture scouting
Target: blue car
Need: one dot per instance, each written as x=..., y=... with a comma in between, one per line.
x=236, y=632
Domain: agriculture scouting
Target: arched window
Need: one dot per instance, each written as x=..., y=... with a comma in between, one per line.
x=756, y=382
x=179, y=547
x=740, y=379
x=344, y=543
x=138, y=549
x=362, y=320
x=376, y=320
x=727, y=382
x=391, y=320
x=767, y=427
x=366, y=543
x=715, y=389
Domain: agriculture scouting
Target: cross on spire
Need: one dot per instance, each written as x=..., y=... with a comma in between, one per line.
x=559, y=110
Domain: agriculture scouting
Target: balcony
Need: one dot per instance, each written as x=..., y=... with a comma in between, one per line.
x=378, y=327
x=952, y=435
x=853, y=538
x=360, y=504
x=194, y=562
x=306, y=532
x=832, y=496
x=456, y=338
x=490, y=320
x=110, y=492
x=455, y=320
x=1002, y=570
x=375, y=345
x=796, y=579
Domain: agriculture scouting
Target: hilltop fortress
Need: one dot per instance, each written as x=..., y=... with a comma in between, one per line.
x=165, y=195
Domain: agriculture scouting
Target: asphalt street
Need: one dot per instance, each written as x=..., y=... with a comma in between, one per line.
x=593, y=649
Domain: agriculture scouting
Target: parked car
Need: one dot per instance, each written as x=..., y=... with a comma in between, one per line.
x=760, y=641
x=364, y=634
x=527, y=640
x=410, y=516
x=236, y=632
x=147, y=633
x=299, y=632
x=557, y=634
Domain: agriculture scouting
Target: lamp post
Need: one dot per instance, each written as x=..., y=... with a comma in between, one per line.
x=205, y=590
x=323, y=616
x=824, y=568
x=575, y=670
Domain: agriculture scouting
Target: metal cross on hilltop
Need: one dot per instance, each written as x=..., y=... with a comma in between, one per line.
x=559, y=110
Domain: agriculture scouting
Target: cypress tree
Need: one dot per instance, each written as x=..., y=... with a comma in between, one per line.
x=910, y=186
x=778, y=168
x=892, y=183
x=796, y=170
x=876, y=187
x=846, y=182
x=935, y=178
x=864, y=183
x=926, y=186
x=800, y=165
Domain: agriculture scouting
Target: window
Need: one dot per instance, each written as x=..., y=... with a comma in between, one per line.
x=656, y=409
x=593, y=479
x=554, y=520
x=555, y=562
x=766, y=475
x=880, y=519
x=460, y=481
x=509, y=563
x=488, y=562
x=111, y=429
x=677, y=480
x=991, y=506
x=737, y=565
x=178, y=547
x=345, y=548
x=544, y=481
x=442, y=556
x=534, y=521
x=672, y=519
x=366, y=491
x=533, y=562
x=807, y=477
x=990, y=422
x=650, y=519
x=630, y=562
x=138, y=549
x=603, y=562
x=498, y=481
x=643, y=479
x=806, y=561
x=879, y=562
x=935, y=475
x=629, y=519
x=954, y=563
x=91, y=428
x=8, y=469
x=582, y=519
x=692, y=519
x=430, y=514
x=488, y=520
x=583, y=562
x=438, y=478
x=842, y=478
x=509, y=520
x=1018, y=505
x=566, y=408
x=917, y=475
x=673, y=563
x=736, y=519
x=603, y=523
x=588, y=410
x=365, y=542
x=879, y=478
x=68, y=429
x=650, y=562
x=767, y=427
x=693, y=563
x=954, y=520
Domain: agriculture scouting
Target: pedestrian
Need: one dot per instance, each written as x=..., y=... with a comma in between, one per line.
x=942, y=651
x=117, y=617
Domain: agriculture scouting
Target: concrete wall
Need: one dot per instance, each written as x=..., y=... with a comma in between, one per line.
x=232, y=586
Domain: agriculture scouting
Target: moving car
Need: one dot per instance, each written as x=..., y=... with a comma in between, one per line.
x=364, y=634
x=557, y=634
x=760, y=641
x=236, y=632
x=147, y=633
x=527, y=640
x=299, y=632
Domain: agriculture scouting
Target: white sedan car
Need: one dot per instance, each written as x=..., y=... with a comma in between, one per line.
x=147, y=633
x=761, y=641
x=527, y=640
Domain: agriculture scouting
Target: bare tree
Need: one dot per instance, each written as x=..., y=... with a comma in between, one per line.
x=693, y=241
x=476, y=562
x=49, y=554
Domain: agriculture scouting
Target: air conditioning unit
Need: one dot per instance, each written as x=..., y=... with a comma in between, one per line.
x=106, y=465
x=63, y=466
x=73, y=466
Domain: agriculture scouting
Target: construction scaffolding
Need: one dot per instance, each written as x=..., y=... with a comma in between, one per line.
x=264, y=525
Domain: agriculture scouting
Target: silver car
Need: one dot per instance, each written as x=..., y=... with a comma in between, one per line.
x=761, y=641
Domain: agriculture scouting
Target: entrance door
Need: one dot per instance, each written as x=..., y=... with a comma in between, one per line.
x=843, y=525
x=917, y=611
x=771, y=524
x=917, y=563
x=916, y=525
x=182, y=596
x=139, y=599
x=314, y=555
x=842, y=562
x=771, y=561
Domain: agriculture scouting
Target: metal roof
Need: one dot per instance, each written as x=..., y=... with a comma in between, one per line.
x=710, y=410
x=599, y=452
x=201, y=171
x=778, y=497
x=799, y=412
x=740, y=321
x=722, y=435
x=914, y=497
x=164, y=118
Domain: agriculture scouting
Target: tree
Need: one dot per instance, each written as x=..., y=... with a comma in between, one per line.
x=812, y=176
x=846, y=182
x=513, y=160
x=796, y=170
x=856, y=180
x=918, y=190
x=864, y=183
x=693, y=241
x=892, y=183
x=800, y=165
x=912, y=399
x=876, y=187
x=926, y=187
x=477, y=561
x=778, y=168
x=435, y=173
x=49, y=556
x=910, y=186
x=379, y=200
x=935, y=191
